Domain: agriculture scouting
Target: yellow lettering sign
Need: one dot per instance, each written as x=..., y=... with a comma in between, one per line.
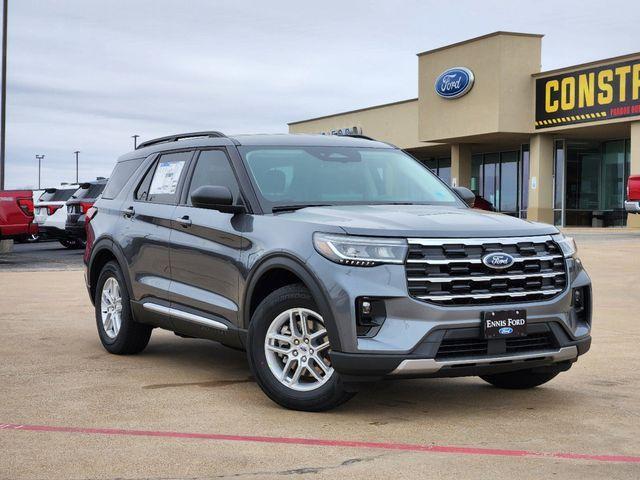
x=586, y=91
x=605, y=96
x=635, y=82
x=568, y=93
x=550, y=105
x=622, y=72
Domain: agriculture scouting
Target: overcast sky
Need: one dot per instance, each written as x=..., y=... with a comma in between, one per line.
x=87, y=74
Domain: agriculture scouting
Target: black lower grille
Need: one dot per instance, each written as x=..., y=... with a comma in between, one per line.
x=478, y=347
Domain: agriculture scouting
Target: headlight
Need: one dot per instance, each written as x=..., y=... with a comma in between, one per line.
x=360, y=251
x=566, y=244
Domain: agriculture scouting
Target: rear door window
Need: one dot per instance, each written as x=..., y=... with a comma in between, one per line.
x=120, y=176
x=162, y=181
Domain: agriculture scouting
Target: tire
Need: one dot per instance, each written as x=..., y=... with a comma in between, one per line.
x=68, y=243
x=520, y=379
x=130, y=337
x=319, y=392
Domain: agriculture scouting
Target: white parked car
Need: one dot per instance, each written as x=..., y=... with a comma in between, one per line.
x=51, y=214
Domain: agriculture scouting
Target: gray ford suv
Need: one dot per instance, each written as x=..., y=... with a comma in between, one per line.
x=334, y=262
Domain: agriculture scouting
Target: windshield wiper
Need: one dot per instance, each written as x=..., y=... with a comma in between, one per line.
x=291, y=208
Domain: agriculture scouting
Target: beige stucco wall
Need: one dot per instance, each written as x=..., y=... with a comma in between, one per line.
x=396, y=123
x=500, y=100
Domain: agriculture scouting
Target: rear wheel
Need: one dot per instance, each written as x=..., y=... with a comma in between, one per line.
x=288, y=351
x=118, y=331
x=520, y=379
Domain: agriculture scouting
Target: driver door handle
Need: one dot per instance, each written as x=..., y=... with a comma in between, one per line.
x=184, y=221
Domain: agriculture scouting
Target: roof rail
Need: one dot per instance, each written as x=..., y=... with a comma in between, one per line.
x=180, y=136
x=355, y=135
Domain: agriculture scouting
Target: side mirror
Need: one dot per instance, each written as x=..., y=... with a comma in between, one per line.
x=465, y=194
x=215, y=198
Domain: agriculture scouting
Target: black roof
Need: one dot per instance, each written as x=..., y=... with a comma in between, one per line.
x=203, y=139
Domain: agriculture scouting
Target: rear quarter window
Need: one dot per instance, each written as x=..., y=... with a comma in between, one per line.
x=120, y=176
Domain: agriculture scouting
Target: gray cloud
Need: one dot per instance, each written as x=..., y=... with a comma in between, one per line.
x=87, y=74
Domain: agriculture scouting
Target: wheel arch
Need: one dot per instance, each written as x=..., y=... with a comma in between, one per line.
x=286, y=269
x=103, y=252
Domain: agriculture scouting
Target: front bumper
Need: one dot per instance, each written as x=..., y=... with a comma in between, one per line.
x=632, y=206
x=426, y=361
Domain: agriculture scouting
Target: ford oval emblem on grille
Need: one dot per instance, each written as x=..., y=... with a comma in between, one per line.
x=499, y=261
x=505, y=330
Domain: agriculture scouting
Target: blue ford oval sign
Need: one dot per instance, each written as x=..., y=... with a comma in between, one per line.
x=454, y=82
x=498, y=261
x=505, y=331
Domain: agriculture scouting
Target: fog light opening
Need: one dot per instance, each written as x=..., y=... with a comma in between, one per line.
x=370, y=315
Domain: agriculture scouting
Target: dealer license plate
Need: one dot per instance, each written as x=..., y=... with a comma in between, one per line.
x=505, y=324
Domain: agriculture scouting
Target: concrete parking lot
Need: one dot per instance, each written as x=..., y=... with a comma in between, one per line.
x=189, y=409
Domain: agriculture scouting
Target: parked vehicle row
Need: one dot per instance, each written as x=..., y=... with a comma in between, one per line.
x=54, y=213
x=60, y=212
x=333, y=261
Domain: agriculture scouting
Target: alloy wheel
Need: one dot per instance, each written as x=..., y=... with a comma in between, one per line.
x=111, y=307
x=297, y=350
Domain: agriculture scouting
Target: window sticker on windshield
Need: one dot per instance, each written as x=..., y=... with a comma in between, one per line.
x=165, y=180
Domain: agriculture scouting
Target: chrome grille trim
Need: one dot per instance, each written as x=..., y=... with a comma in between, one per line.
x=436, y=242
x=477, y=260
x=485, y=278
x=479, y=296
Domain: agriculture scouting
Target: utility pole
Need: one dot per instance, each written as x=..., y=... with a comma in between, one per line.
x=77, y=152
x=39, y=158
x=3, y=95
x=135, y=141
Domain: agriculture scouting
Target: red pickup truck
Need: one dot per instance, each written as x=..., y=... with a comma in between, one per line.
x=16, y=214
x=632, y=204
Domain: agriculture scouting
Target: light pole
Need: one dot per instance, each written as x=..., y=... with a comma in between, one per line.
x=39, y=158
x=3, y=95
x=135, y=141
x=77, y=152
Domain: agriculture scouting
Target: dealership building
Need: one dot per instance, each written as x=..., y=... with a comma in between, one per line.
x=554, y=146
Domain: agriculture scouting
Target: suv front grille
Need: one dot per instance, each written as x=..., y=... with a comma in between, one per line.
x=451, y=272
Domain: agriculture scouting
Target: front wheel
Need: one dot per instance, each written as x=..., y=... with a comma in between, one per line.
x=288, y=350
x=520, y=379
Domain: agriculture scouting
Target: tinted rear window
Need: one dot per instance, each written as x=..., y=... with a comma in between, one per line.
x=92, y=191
x=58, y=195
x=120, y=176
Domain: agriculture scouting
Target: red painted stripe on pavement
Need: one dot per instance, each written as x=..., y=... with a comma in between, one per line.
x=326, y=443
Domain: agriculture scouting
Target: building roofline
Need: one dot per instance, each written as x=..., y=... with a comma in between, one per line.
x=353, y=111
x=587, y=64
x=481, y=37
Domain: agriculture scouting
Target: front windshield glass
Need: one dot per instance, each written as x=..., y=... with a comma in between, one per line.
x=291, y=176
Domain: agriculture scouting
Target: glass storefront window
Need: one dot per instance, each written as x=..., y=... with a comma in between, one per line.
x=444, y=170
x=489, y=182
x=507, y=192
x=476, y=175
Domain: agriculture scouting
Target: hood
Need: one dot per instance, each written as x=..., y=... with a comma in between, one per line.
x=419, y=221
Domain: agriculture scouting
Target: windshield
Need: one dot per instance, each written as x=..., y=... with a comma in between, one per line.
x=289, y=176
